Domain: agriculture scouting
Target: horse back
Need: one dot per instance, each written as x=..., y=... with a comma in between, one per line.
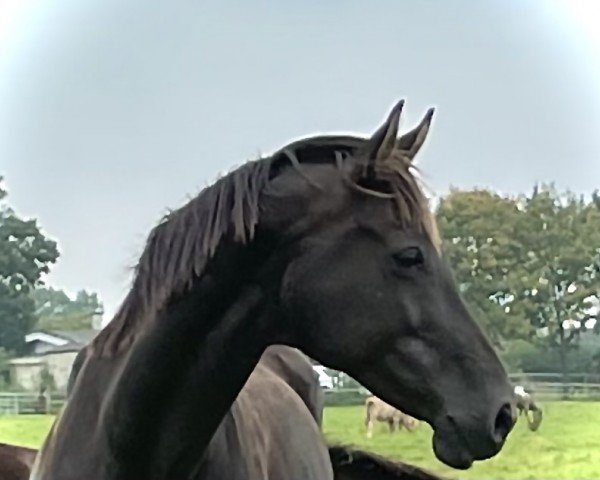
x=16, y=462
x=294, y=368
x=268, y=433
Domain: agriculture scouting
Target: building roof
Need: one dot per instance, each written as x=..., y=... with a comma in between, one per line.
x=26, y=361
x=46, y=338
x=83, y=337
x=62, y=340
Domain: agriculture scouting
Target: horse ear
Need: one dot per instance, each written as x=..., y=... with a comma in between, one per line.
x=410, y=143
x=381, y=144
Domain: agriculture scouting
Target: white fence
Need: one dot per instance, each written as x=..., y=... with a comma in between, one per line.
x=544, y=386
x=28, y=403
x=552, y=386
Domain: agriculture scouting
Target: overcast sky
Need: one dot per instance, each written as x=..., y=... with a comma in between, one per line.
x=112, y=111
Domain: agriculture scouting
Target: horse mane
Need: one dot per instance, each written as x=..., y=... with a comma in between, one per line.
x=180, y=246
x=352, y=464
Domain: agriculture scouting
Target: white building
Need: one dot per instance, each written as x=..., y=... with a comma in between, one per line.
x=53, y=351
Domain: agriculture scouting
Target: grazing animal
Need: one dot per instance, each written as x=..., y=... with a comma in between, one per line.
x=328, y=245
x=15, y=462
x=525, y=404
x=377, y=410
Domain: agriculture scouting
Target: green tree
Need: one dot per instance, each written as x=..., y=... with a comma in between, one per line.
x=524, y=356
x=528, y=266
x=25, y=255
x=57, y=311
x=558, y=281
x=477, y=228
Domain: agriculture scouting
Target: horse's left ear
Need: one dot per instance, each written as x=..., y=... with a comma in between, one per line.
x=410, y=143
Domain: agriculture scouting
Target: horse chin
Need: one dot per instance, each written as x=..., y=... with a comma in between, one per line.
x=449, y=449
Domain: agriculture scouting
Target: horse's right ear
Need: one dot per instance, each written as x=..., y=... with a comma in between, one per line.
x=381, y=144
x=410, y=143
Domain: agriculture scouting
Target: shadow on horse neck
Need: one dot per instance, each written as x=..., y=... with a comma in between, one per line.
x=327, y=245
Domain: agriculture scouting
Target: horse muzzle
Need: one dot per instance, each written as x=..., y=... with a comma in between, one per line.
x=458, y=441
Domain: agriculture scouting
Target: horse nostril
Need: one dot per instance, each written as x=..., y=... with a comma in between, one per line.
x=503, y=423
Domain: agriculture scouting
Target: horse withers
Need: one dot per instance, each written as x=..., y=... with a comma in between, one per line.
x=273, y=428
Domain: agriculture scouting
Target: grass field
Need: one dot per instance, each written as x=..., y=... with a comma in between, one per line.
x=566, y=446
x=26, y=430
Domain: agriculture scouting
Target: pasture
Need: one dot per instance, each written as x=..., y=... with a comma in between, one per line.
x=567, y=444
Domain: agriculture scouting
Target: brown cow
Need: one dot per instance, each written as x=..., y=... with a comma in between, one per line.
x=377, y=409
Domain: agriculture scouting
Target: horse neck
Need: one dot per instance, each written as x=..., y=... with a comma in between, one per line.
x=170, y=392
x=208, y=342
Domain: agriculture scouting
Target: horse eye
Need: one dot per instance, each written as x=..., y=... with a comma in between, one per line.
x=409, y=257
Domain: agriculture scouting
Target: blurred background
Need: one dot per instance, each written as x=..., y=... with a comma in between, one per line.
x=111, y=112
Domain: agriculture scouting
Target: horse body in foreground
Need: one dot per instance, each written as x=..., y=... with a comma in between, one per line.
x=272, y=430
x=15, y=461
x=328, y=245
x=378, y=410
x=293, y=368
x=352, y=464
x=282, y=399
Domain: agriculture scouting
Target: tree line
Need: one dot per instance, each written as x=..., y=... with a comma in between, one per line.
x=528, y=267
x=26, y=255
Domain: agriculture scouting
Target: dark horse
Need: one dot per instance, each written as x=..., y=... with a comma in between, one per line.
x=15, y=462
x=269, y=431
x=327, y=245
x=352, y=464
x=269, y=405
x=347, y=463
x=275, y=405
